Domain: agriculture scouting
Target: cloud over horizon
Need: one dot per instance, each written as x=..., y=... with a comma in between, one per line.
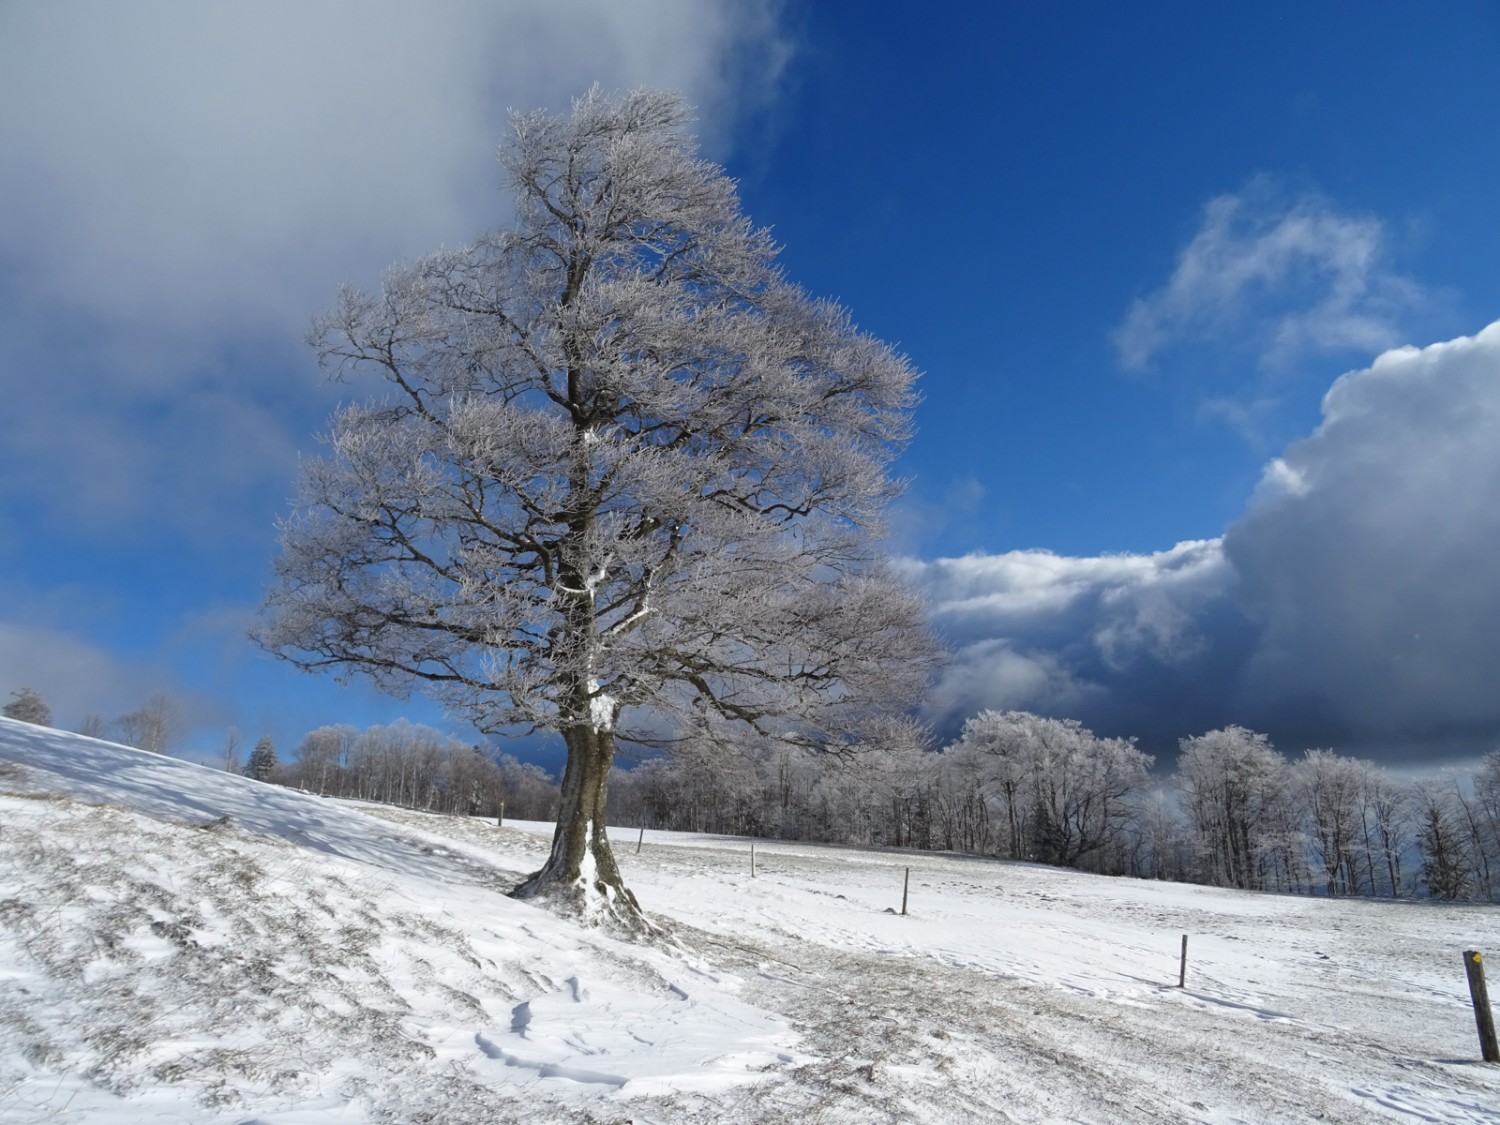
x=1353, y=605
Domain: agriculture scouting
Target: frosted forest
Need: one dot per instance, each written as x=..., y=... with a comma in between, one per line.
x=1234, y=812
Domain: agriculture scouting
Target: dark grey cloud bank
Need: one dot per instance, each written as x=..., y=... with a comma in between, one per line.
x=1355, y=604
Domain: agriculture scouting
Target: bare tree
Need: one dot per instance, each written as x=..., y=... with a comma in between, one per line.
x=1446, y=869
x=624, y=484
x=322, y=758
x=1066, y=794
x=229, y=756
x=154, y=726
x=27, y=706
x=1389, y=814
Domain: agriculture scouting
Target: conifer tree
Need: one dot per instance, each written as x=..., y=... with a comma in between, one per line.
x=28, y=707
x=263, y=765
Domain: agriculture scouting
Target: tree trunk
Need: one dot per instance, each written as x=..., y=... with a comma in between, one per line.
x=581, y=873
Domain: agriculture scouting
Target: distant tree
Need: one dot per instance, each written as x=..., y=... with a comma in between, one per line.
x=155, y=725
x=1446, y=870
x=93, y=726
x=1232, y=783
x=1485, y=810
x=229, y=756
x=1007, y=742
x=1475, y=831
x=262, y=764
x=1066, y=794
x=1390, y=812
x=1329, y=789
x=322, y=759
x=27, y=706
x=624, y=482
x=531, y=793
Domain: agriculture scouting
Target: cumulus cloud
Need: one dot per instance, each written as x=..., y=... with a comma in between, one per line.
x=1353, y=605
x=186, y=183
x=1368, y=555
x=1114, y=640
x=1285, y=277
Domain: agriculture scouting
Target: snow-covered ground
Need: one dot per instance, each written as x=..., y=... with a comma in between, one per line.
x=305, y=962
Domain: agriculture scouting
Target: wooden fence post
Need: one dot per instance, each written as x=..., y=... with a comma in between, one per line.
x=905, y=886
x=500, y=818
x=639, y=839
x=1489, y=1049
x=752, y=859
x=1182, y=971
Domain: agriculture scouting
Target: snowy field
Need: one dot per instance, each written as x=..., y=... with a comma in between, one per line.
x=182, y=945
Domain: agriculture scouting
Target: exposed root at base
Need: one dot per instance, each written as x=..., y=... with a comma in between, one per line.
x=597, y=905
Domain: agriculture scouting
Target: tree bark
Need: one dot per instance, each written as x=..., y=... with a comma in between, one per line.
x=581, y=872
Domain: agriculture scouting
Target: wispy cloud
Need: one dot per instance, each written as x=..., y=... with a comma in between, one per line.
x=1283, y=277
x=74, y=676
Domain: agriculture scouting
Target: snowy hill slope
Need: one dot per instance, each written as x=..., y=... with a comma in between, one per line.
x=303, y=962
x=306, y=961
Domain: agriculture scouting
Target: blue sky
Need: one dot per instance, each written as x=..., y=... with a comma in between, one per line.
x=1132, y=248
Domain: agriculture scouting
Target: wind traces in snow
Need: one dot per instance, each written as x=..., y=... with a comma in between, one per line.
x=197, y=972
x=231, y=970
x=152, y=970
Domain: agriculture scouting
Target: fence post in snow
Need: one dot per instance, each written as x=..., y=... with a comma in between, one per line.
x=1182, y=971
x=905, y=886
x=1489, y=1049
x=639, y=839
x=752, y=859
x=500, y=816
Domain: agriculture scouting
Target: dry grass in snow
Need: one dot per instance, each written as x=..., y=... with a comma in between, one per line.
x=179, y=945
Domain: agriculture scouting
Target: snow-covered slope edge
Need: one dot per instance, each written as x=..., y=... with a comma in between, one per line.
x=301, y=962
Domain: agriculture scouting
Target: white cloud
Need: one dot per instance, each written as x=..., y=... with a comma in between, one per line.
x=227, y=164
x=994, y=674
x=186, y=183
x=1286, y=278
x=1041, y=631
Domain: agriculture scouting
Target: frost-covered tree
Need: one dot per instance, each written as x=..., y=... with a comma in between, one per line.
x=1233, y=784
x=1065, y=794
x=229, y=755
x=1329, y=788
x=622, y=481
x=262, y=765
x=27, y=706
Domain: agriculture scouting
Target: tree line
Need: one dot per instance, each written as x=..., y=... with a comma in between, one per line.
x=413, y=766
x=1234, y=812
